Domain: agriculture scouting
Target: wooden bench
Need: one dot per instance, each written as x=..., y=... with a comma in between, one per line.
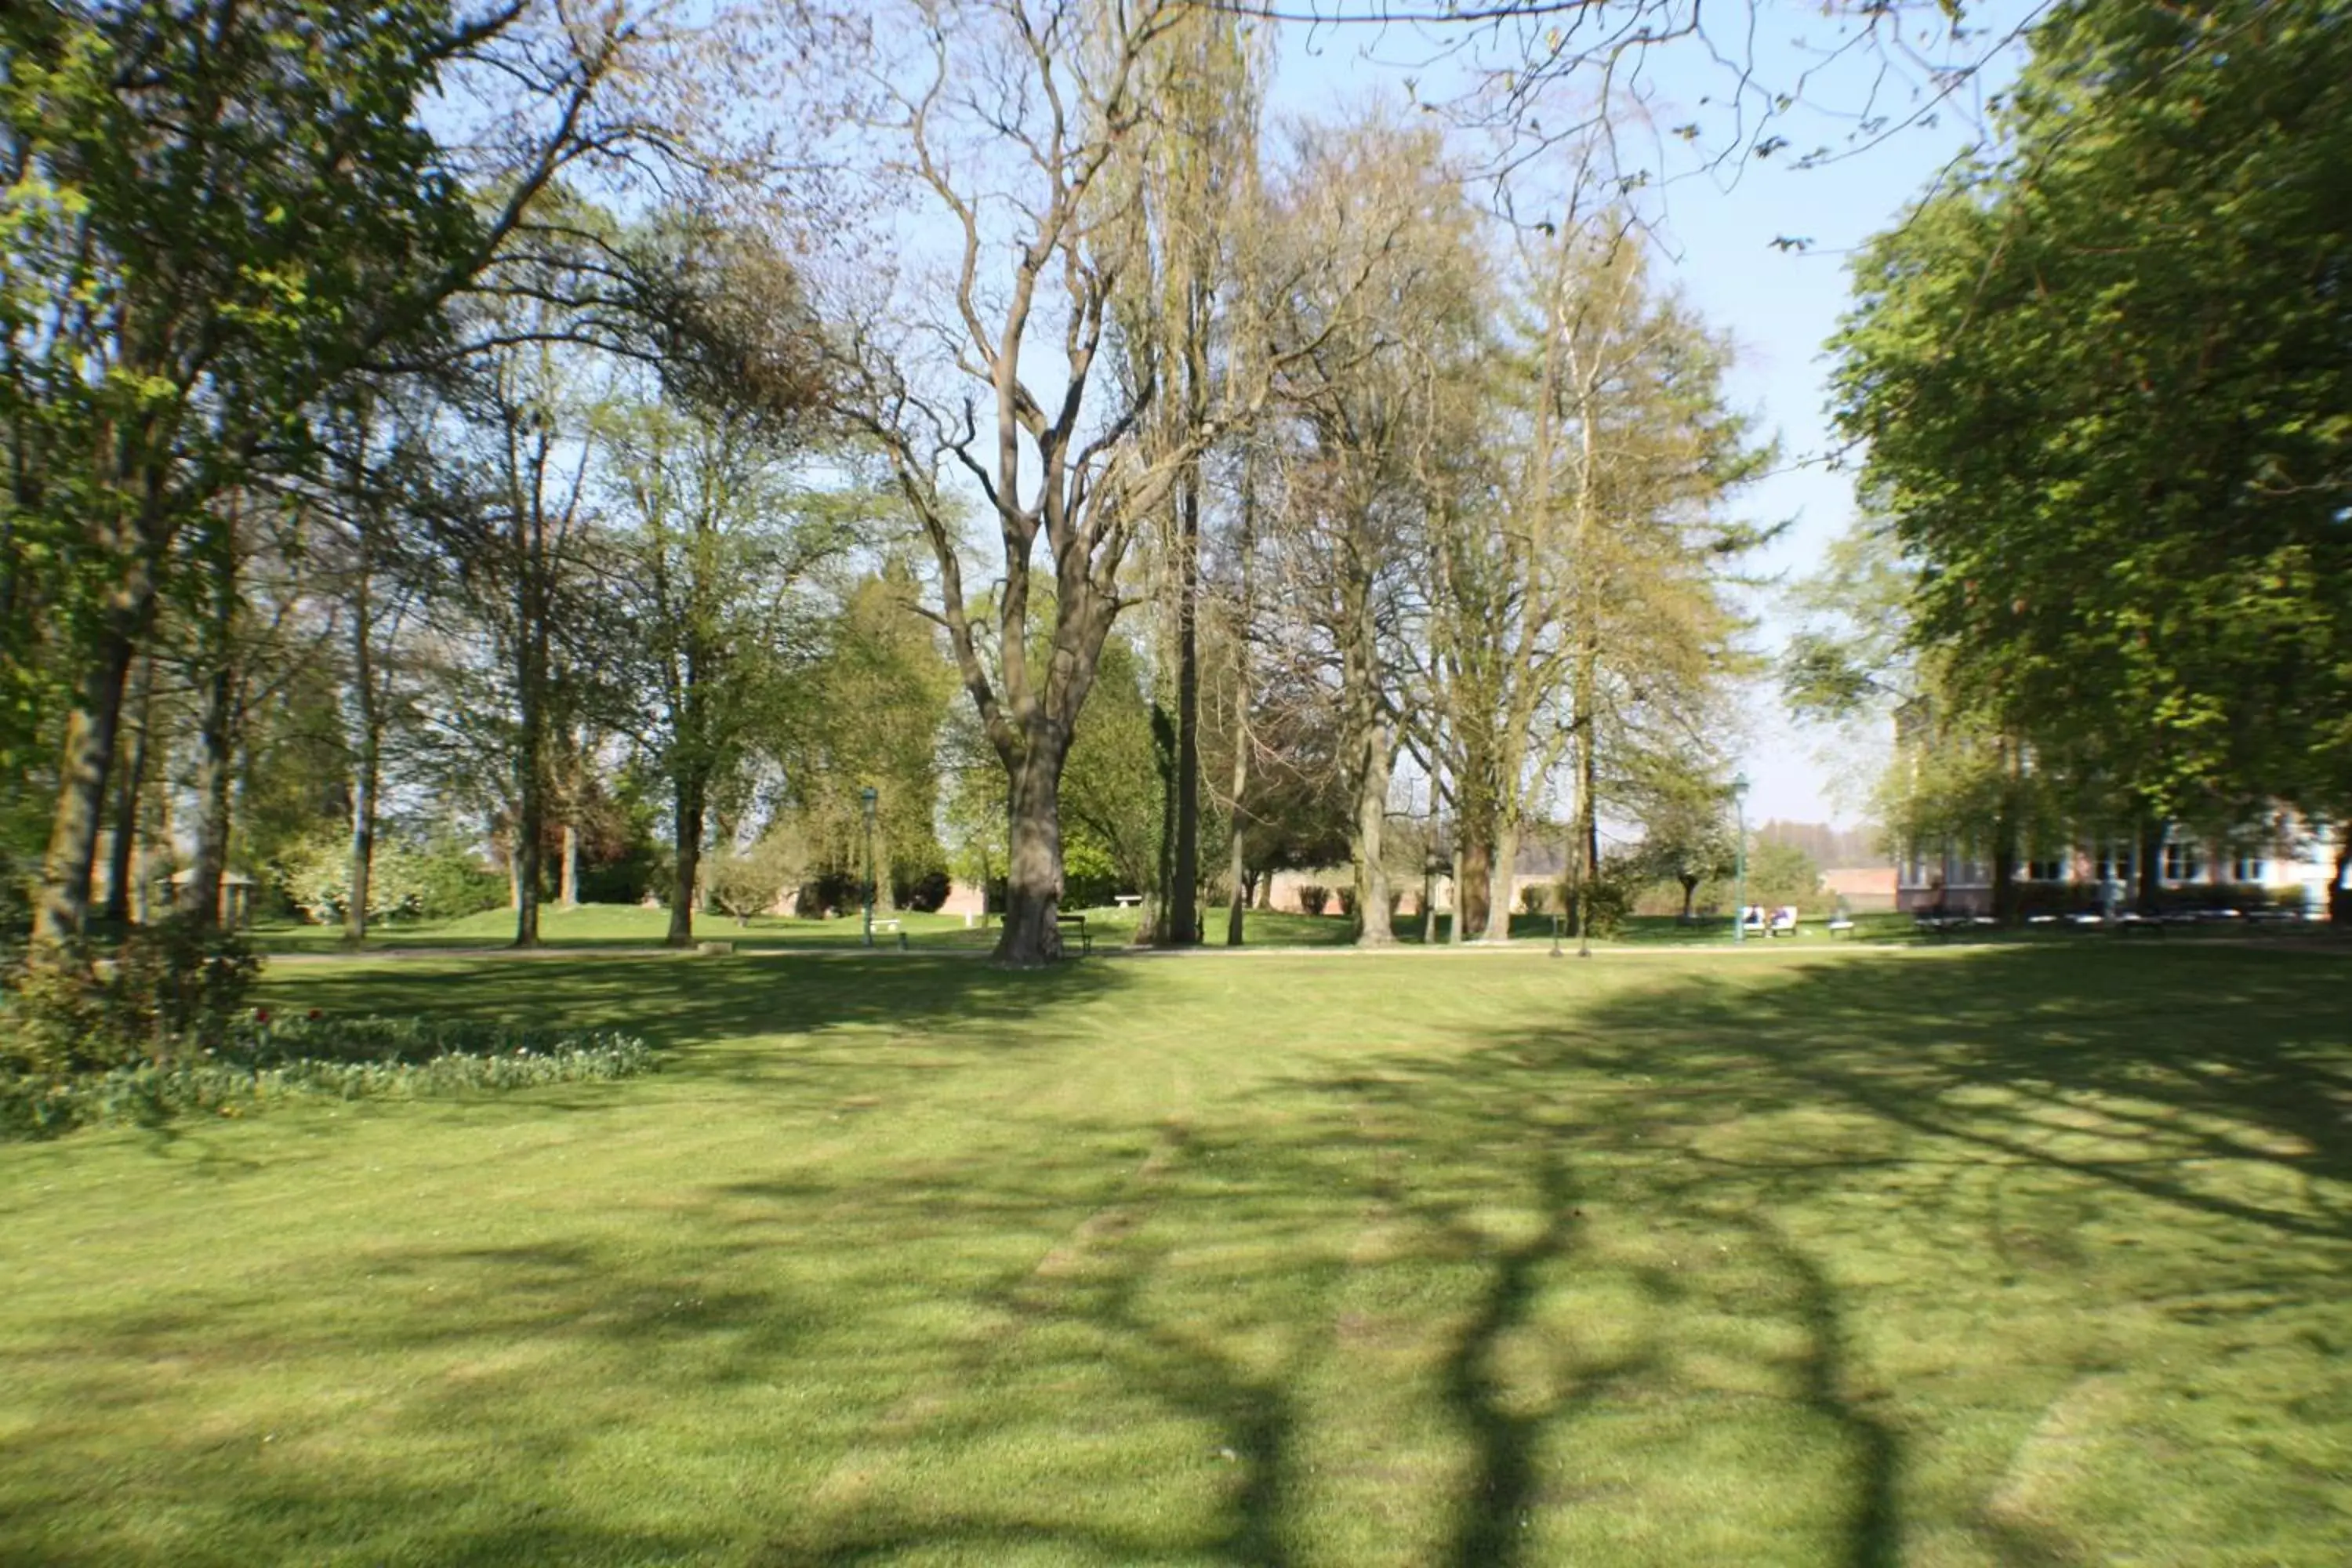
x=1067, y=925
x=1840, y=926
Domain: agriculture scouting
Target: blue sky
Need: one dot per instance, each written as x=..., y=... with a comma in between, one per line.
x=1779, y=306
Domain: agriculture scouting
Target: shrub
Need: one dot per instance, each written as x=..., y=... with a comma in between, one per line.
x=923, y=894
x=1608, y=900
x=166, y=988
x=1535, y=898
x=452, y=882
x=748, y=881
x=1313, y=897
x=405, y=880
x=834, y=890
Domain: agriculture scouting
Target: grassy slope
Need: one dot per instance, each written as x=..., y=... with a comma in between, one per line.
x=2011, y=1255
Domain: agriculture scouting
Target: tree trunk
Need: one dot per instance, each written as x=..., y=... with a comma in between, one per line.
x=1474, y=886
x=367, y=767
x=1182, y=928
x=200, y=899
x=216, y=718
x=2339, y=897
x=1587, y=858
x=532, y=815
x=2006, y=897
x=1373, y=927
x=1498, y=884
x=687, y=829
x=1032, y=938
x=122, y=861
x=61, y=913
x=1154, y=924
x=155, y=835
x=569, y=895
x=530, y=761
x=1236, y=866
x=1690, y=891
x=1366, y=740
x=2148, y=874
x=1453, y=934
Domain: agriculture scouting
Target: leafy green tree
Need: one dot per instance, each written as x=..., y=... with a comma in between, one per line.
x=718, y=552
x=1687, y=840
x=1115, y=785
x=2104, y=383
x=874, y=702
x=215, y=213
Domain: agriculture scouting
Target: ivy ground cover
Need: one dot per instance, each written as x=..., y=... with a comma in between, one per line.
x=2004, y=1255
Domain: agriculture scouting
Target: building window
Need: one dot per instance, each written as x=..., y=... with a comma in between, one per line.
x=2249, y=869
x=2045, y=870
x=2180, y=862
x=2115, y=864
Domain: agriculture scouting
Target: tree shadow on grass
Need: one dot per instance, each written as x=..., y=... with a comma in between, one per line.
x=2169, y=1130
x=2217, y=1082
x=1606, y=1272
x=676, y=1000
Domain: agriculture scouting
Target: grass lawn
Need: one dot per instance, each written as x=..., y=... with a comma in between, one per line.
x=2026, y=1254
x=631, y=926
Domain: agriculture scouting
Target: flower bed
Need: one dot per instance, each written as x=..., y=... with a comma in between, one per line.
x=267, y=1059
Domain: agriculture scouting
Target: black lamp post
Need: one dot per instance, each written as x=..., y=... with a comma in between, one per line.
x=868, y=795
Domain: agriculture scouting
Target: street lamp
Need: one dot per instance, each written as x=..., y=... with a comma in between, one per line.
x=869, y=797
x=1739, y=857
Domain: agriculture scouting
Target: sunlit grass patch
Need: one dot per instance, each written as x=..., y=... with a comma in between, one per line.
x=1949, y=1257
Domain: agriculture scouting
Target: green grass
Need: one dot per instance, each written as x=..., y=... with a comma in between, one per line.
x=628, y=926
x=615, y=926
x=1982, y=1256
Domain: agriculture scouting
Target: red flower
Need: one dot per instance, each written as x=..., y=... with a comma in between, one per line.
x=315, y=1014
x=261, y=1015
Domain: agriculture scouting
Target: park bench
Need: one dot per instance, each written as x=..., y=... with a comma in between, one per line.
x=1840, y=925
x=1784, y=923
x=1069, y=924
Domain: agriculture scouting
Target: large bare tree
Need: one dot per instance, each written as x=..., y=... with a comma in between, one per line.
x=1021, y=123
x=1393, y=295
